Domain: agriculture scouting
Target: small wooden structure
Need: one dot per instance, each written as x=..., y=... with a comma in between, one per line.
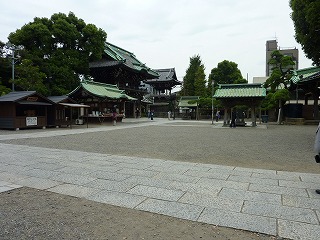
x=24, y=109
x=231, y=95
x=61, y=113
x=189, y=107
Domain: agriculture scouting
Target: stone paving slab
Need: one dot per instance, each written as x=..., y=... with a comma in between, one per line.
x=278, y=190
x=243, y=195
x=117, y=198
x=298, y=230
x=74, y=190
x=237, y=178
x=39, y=183
x=174, y=209
x=7, y=186
x=209, y=201
x=280, y=212
x=110, y=185
x=156, y=192
x=301, y=202
x=243, y=221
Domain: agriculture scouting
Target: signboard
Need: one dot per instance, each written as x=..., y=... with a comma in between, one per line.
x=32, y=99
x=31, y=121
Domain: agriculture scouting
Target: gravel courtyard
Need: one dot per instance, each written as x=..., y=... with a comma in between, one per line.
x=277, y=147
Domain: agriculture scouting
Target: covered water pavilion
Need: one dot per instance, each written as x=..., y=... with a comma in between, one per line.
x=232, y=95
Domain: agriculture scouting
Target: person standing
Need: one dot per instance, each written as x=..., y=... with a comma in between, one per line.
x=169, y=115
x=317, y=149
x=137, y=113
x=151, y=114
x=217, y=116
x=114, y=115
x=233, y=120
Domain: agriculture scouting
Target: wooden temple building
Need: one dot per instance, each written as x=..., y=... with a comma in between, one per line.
x=231, y=95
x=160, y=96
x=102, y=98
x=304, y=108
x=121, y=68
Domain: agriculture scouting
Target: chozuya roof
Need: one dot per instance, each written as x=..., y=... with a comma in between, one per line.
x=165, y=75
x=188, y=101
x=305, y=74
x=123, y=57
x=240, y=91
x=101, y=90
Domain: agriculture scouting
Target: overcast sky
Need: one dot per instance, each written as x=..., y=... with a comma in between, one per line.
x=166, y=33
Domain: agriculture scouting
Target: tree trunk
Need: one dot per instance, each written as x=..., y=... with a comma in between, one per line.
x=280, y=113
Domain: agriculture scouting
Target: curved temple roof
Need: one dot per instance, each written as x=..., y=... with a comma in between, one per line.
x=120, y=56
x=102, y=90
x=240, y=91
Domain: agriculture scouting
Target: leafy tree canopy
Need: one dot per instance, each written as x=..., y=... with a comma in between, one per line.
x=281, y=71
x=279, y=81
x=194, y=71
x=5, y=70
x=200, y=82
x=30, y=78
x=306, y=19
x=226, y=72
x=60, y=48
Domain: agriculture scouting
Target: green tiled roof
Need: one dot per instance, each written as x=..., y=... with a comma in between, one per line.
x=185, y=101
x=301, y=74
x=102, y=90
x=240, y=91
x=128, y=59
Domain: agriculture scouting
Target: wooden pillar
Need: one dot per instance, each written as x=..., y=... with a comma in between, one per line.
x=134, y=109
x=253, y=116
x=226, y=118
x=315, y=105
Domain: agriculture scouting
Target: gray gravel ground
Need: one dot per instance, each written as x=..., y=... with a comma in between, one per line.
x=278, y=147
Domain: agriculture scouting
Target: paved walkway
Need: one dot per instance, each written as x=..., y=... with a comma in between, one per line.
x=265, y=201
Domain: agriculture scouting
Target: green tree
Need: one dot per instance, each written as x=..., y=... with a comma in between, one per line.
x=5, y=69
x=188, y=85
x=281, y=71
x=306, y=19
x=200, y=82
x=278, y=82
x=226, y=72
x=30, y=78
x=61, y=47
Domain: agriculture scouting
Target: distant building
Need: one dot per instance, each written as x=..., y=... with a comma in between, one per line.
x=272, y=45
x=163, y=100
x=259, y=79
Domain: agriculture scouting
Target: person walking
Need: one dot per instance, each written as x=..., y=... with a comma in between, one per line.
x=151, y=114
x=169, y=115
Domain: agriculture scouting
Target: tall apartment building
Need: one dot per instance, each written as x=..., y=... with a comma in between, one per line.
x=272, y=45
